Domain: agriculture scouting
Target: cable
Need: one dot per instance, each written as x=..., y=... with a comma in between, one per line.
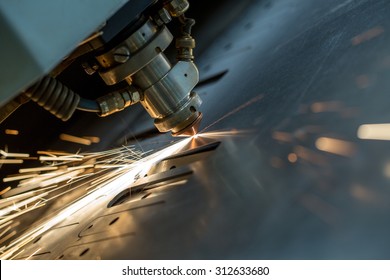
x=88, y=105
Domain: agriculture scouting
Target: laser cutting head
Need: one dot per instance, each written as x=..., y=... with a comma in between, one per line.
x=185, y=120
x=166, y=89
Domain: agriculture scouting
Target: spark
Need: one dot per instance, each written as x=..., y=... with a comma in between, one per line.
x=18, y=205
x=84, y=166
x=330, y=106
x=5, y=190
x=11, y=161
x=365, y=194
x=222, y=134
x=108, y=166
x=62, y=158
x=5, y=231
x=8, y=236
x=236, y=110
x=292, y=158
x=34, y=253
x=57, y=153
x=75, y=139
x=17, y=254
x=125, y=164
x=38, y=169
x=282, y=136
x=9, y=200
x=309, y=156
x=335, y=146
x=61, y=178
x=14, y=155
x=17, y=178
x=12, y=132
x=379, y=131
x=8, y=223
x=93, y=139
x=367, y=35
x=22, y=212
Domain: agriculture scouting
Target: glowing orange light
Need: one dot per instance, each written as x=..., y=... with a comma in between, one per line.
x=292, y=158
x=222, y=134
x=367, y=35
x=335, y=146
x=12, y=132
x=330, y=106
x=282, y=136
x=75, y=139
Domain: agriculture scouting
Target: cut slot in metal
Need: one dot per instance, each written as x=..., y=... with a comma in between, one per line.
x=147, y=183
x=184, y=158
x=201, y=149
x=211, y=79
x=84, y=252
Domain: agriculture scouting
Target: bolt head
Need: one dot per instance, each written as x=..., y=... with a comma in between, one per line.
x=121, y=54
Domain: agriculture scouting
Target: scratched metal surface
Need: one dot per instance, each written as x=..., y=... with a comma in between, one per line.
x=296, y=75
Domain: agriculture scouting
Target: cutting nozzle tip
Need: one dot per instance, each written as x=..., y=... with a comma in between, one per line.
x=190, y=130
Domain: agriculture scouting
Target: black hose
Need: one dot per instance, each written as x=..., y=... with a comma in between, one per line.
x=58, y=99
x=55, y=97
x=88, y=105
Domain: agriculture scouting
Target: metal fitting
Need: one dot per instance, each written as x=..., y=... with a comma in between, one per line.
x=117, y=101
x=177, y=7
x=121, y=54
x=90, y=70
x=185, y=46
x=162, y=17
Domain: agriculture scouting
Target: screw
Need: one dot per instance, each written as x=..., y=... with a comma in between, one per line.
x=121, y=54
